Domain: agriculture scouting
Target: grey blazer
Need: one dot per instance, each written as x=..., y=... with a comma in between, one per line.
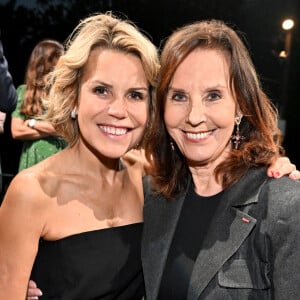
x=252, y=249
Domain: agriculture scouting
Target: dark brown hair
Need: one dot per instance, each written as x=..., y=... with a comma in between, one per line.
x=258, y=126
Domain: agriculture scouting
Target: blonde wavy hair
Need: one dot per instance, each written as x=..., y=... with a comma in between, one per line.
x=102, y=30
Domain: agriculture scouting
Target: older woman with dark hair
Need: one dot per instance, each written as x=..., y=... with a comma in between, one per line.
x=215, y=226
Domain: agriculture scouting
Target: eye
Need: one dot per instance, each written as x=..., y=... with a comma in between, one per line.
x=137, y=95
x=178, y=97
x=214, y=95
x=101, y=90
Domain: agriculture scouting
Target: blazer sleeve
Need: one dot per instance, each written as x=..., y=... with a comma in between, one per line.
x=8, y=95
x=286, y=241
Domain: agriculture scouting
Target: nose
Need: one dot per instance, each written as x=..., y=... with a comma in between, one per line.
x=196, y=113
x=118, y=108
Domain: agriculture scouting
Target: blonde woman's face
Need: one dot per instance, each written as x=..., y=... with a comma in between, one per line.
x=113, y=102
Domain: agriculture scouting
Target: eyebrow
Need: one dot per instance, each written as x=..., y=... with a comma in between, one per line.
x=111, y=86
x=214, y=87
x=139, y=88
x=170, y=89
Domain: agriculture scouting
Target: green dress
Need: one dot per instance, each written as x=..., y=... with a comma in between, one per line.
x=34, y=151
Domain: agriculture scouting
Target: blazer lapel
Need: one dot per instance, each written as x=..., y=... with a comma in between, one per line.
x=160, y=220
x=229, y=228
x=218, y=248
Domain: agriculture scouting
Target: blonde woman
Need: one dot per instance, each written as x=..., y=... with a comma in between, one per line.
x=73, y=222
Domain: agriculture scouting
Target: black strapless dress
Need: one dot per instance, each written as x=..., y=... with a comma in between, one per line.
x=101, y=264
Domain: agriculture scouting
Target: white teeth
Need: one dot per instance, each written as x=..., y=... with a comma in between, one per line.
x=113, y=130
x=198, y=136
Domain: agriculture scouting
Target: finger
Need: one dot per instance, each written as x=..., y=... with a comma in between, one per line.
x=282, y=166
x=34, y=292
x=295, y=175
x=32, y=284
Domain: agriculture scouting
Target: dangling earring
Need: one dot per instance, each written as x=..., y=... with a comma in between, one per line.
x=74, y=113
x=237, y=138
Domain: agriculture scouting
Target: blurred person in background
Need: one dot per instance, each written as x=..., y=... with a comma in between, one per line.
x=2, y=121
x=8, y=98
x=8, y=95
x=39, y=137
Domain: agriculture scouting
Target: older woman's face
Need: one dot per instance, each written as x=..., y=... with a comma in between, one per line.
x=113, y=102
x=200, y=108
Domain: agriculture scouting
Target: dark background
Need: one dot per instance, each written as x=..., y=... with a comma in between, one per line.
x=24, y=23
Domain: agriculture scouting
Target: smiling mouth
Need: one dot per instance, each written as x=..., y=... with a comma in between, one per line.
x=199, y=135
x=114, y=130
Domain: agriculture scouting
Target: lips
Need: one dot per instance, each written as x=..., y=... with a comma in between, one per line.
x=118, y=131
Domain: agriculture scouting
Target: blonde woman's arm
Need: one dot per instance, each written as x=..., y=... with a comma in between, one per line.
x=283, y=166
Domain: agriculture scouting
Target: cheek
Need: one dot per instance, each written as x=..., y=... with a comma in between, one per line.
x=82, y=113
x=86, y=113
x=143, y=114
x=226, y=126
x=224, y=117
x=139, y=112
x=174, y=115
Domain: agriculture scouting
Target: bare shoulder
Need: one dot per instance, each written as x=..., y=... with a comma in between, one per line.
x=24, y=208
x=34, y=186
x=25, y=189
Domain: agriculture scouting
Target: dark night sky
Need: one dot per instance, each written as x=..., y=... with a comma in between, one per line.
x=259, y=20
